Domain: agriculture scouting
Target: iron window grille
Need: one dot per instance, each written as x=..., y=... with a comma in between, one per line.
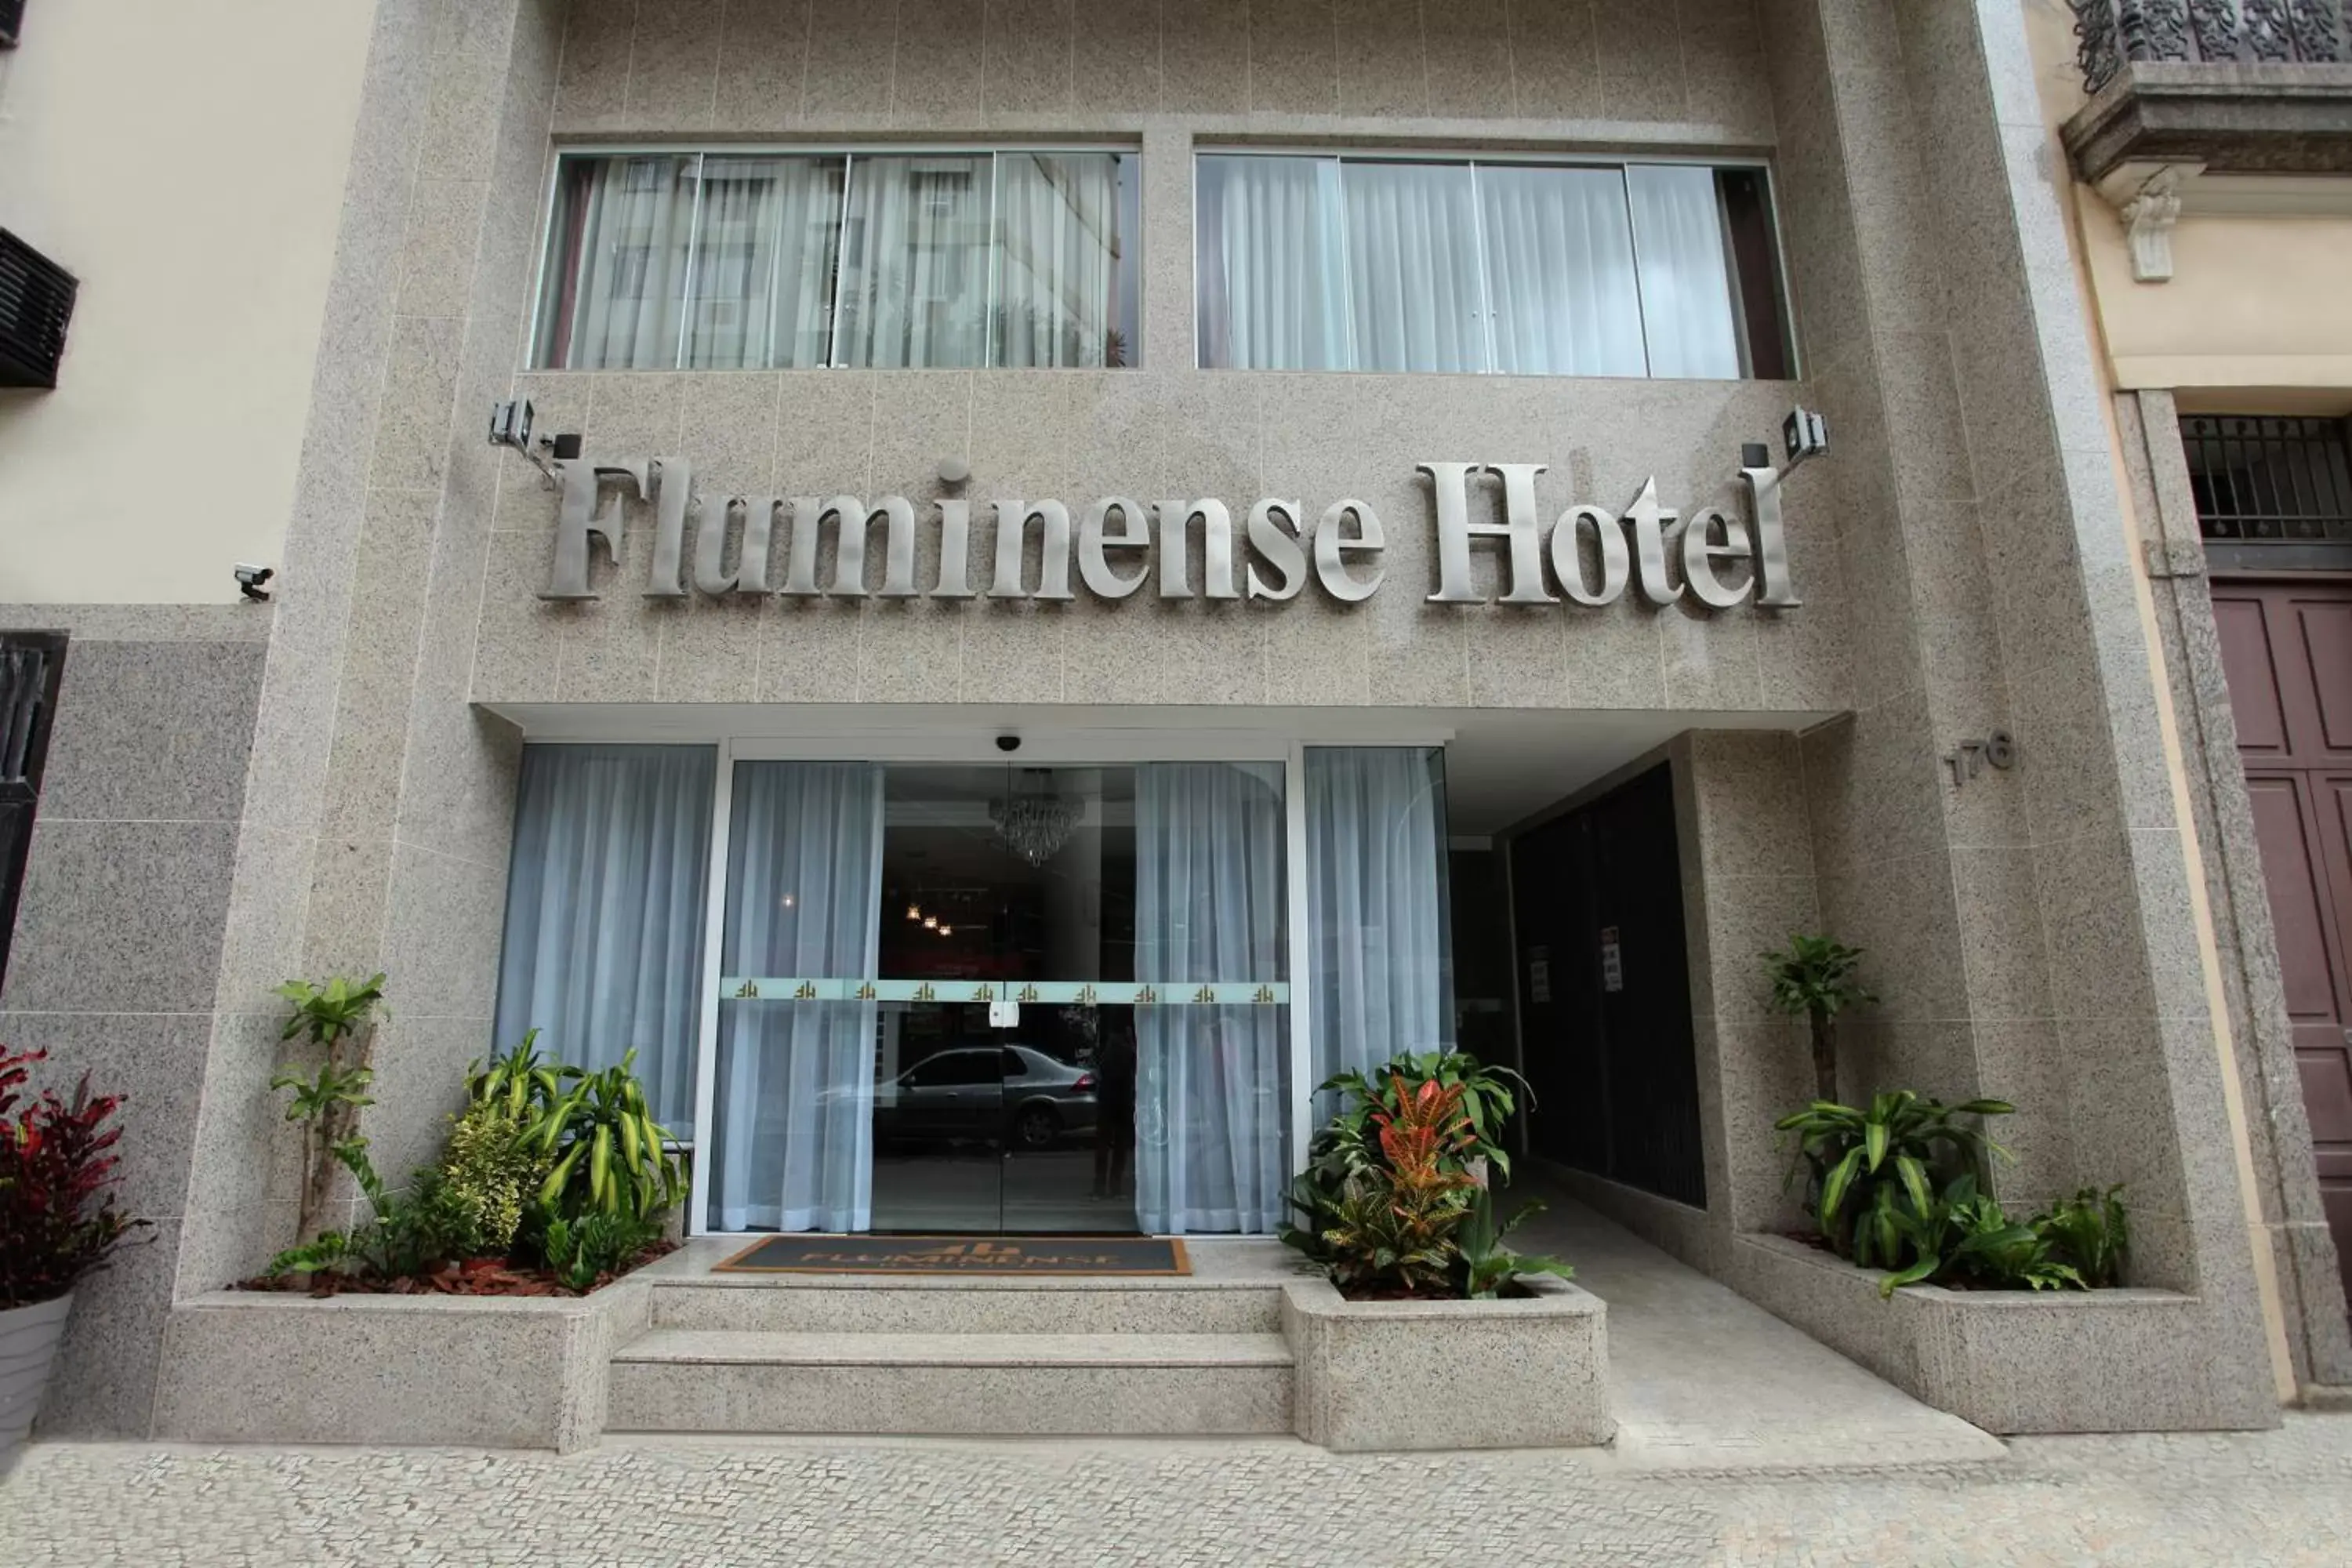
x=2270, y=479
x=37, y=301
x=30, y=665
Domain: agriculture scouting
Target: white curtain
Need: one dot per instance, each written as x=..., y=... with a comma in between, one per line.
x=914, y=291
x=1559, y=266
x=763, y=256
x=1212, y=1081
x=605, y=911
x=1381, y=961
x=1271, y=263
x=794, y=1144
x=1686, y=273
x=1413, y=266
x=623, y=245
x=1058, y=228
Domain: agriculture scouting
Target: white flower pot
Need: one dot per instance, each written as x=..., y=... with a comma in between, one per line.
x=29, y=1347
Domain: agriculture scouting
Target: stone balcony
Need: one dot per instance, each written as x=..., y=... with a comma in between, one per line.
x=2258, y=88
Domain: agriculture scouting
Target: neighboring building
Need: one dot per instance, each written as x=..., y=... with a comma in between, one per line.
x=1342, y=445
x=2210, y=217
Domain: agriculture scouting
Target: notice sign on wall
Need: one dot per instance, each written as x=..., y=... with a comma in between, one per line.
x=1612, y=964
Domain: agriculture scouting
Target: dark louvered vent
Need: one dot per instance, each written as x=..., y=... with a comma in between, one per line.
x=37, y=297
x=12, y=16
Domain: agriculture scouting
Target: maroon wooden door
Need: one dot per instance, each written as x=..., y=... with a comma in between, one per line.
x=2287, y=645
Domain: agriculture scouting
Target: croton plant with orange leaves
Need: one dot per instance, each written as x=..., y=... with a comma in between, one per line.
x=1396, y=1200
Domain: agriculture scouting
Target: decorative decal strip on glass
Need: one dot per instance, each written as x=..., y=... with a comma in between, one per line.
x=1062, y=993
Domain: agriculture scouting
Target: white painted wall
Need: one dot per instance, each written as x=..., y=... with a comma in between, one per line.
x=186, y=162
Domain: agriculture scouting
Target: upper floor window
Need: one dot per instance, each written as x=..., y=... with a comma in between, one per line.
x=1521, y=268
x=752, y=261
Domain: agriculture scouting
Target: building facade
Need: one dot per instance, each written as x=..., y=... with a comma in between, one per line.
x=1179, y=546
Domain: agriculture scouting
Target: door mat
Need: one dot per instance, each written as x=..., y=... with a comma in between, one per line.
x=801, y=1254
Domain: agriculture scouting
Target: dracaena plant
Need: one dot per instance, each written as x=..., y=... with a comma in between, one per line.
x=1961, y=1236
x=608, y=1155
x=57, y=1218
x=337, y=1019
x=1866, y=1165
x=1814, y=980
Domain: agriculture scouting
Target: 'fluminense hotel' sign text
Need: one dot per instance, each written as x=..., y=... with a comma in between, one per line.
x=1119, y=544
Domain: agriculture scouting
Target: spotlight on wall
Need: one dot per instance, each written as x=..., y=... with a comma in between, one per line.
x=249, y=581
x=510, y=426
x=1803, y=434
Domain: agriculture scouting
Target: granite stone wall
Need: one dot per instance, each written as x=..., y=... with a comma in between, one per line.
x=119, y=936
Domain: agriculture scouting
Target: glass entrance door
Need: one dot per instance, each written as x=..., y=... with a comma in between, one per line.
x=1000, y=998
x=1004, y=1082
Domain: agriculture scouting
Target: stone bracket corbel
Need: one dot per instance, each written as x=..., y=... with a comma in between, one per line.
x=2147, y=196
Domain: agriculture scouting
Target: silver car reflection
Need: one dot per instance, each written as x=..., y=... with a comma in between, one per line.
x=1014, y=1094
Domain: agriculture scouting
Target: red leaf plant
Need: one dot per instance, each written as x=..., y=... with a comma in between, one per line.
x=57, y=1218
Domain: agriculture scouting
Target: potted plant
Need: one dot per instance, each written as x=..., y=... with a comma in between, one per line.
x=1418, y=1289
x=58, y=1222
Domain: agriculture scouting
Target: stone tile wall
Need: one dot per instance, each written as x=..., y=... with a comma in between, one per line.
x=119, y=934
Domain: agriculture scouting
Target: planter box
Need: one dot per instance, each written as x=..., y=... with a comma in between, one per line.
x=29, y=1337
x=1526, y=1373
x=248, y=1367
x=2007, y=1361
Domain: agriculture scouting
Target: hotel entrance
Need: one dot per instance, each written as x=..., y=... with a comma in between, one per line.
x=1015, y=1113
x=1024, y=997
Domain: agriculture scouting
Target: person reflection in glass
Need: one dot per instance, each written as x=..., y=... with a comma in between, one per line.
x=1114, y=1106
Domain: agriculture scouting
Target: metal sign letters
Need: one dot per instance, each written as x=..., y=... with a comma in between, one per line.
x=1120, y=543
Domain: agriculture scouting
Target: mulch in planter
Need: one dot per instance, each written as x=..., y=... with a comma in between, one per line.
x=474, y=1276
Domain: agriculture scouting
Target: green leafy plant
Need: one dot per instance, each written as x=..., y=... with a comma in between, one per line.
x=608, y=1152
x=2090, y=1233
x=1393, y=1200
x=488, y=1173
x=1961, y=1236
x=491, y=1170
x=1814, y=980
x=579, y=1252
x=1866, y=1165
x=1487, y=1264
x=405, y=1234
x=336, y=1019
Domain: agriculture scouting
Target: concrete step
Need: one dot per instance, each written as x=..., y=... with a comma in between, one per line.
x=685, y=1380
x=766, y=1306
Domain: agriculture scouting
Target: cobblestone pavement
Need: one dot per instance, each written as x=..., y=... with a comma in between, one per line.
x=2256, y=1499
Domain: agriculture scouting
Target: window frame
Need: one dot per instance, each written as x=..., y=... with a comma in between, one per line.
x=1582, y=158
x=543, y=272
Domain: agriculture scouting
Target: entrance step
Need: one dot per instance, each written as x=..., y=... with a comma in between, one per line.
x=957, y=1382
x=965, y=1307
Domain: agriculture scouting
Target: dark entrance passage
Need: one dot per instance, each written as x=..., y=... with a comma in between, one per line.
x=1604, y=992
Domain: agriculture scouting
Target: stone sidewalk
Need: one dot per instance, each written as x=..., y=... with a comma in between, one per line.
x=2282, y=1498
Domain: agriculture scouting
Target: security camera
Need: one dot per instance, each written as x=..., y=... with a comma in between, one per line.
x=250, y=578
x=1008, y=743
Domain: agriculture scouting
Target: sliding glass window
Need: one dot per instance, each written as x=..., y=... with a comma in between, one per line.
x=768, y=261
x=1520, y=267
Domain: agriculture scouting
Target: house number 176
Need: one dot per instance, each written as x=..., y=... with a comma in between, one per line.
x=1967, y=759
